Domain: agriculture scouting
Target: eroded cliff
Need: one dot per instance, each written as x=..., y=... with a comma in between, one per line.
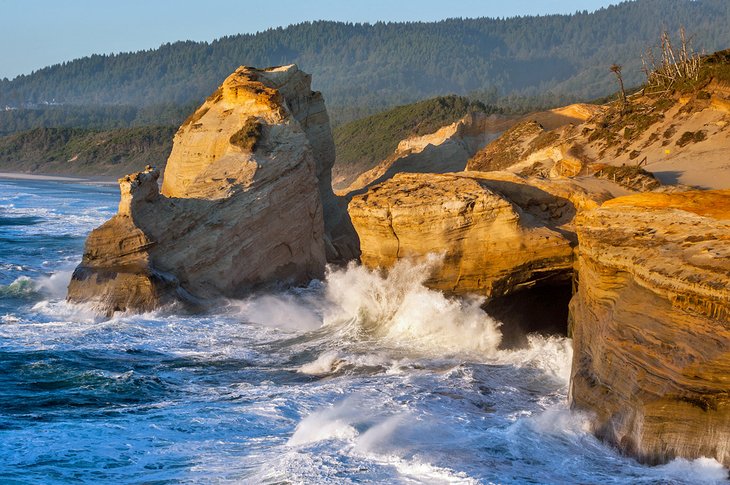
x=240, y=207
x=654, y=138
x=651, y=324
x=498, y=233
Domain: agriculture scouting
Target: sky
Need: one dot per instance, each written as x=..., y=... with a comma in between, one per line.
x=39, y=33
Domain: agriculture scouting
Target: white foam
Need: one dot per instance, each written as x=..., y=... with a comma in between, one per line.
x=561, y=421
x=326, y=363
x=701, y=470
x=399, y=308
x=424, y=472
x=375, y=439
x=56, y=284
x=330, y=423
x=284, y=311
x=553, y=355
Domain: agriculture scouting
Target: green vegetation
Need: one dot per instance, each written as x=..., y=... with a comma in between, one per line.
x=362, y=144
x=509, y=147
x=541, y=141
x=249, y=134
x=89, y=152
x=622, y=125
x=691, y=137
x=363, y=69
x=630, y=176
x=112, y=114
x=93, y=117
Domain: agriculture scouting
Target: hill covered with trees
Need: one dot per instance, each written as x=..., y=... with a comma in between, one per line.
x=364, y=68
x=82, y=151
x=361, y=144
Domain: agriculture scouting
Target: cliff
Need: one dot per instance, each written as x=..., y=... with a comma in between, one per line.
x=424, y=144
x=499, y=233
x=654, y=138
x=241, y=203
x=651, y=324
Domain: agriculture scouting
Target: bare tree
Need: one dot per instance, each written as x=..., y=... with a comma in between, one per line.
x=616, y=69
x=675, y=66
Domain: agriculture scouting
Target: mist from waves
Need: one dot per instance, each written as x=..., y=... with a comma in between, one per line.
x=365, y=376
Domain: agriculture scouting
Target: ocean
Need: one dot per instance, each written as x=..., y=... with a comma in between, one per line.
x=361, y=378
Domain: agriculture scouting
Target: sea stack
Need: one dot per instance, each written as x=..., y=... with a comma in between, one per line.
x=651, y=324
x=241, y=204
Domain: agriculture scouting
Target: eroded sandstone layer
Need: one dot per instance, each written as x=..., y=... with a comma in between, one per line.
x=498, y=233
x=651, y=324
x=240, y=204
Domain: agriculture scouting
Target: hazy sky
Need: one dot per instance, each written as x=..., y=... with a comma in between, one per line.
x=38, y=33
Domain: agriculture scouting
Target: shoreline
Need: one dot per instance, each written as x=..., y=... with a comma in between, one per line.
x=58, y=178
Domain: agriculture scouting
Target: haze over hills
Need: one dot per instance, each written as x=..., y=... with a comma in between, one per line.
x=363, y=68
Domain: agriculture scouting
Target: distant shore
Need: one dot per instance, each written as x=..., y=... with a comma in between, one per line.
x=57, y=178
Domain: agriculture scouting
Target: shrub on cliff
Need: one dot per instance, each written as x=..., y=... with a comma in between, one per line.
x=249, y=134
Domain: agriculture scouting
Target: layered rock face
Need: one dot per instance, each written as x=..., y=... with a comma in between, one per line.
x=240, y=204
x=498, y=233
x=651, y=324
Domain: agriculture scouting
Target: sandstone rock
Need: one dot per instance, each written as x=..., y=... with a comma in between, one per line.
x=664, y=136
x=499, y=233
x=508, y=149
x=540, y=144
x=651, y=324
x=240, y=204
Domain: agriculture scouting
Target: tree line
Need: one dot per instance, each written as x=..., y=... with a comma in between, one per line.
x=364, y=68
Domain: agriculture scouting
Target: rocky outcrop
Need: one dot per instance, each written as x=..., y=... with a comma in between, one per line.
x=655, y=138
x=240, y=207
x=537, y=145
x=498, y=233
x=651, y=324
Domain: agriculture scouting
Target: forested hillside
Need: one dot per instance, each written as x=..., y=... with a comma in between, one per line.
x=363, y=143
x=86, y=152
x=363, y=68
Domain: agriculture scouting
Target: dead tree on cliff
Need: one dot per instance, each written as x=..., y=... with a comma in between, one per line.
x=674, y=67
x=616, y=69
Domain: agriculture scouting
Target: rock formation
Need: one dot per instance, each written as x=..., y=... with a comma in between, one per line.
x=241, y=202
x=450, y=148
x=651, y=324
x=499, y=233
x=657, y=138
x=538, y=142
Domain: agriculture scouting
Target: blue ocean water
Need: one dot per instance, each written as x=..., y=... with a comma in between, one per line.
x=361, y=378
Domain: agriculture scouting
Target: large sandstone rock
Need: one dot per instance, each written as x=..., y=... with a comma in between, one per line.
x=651, y=324
x=498, y=233
x=240, y=204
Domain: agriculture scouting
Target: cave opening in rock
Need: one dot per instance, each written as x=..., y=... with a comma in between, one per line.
x=542, y=309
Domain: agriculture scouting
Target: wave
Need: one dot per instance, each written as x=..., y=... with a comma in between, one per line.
x=397, y=307
x=701, y=470
x=393, y=307
x=53, y=286
x=21, y=287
